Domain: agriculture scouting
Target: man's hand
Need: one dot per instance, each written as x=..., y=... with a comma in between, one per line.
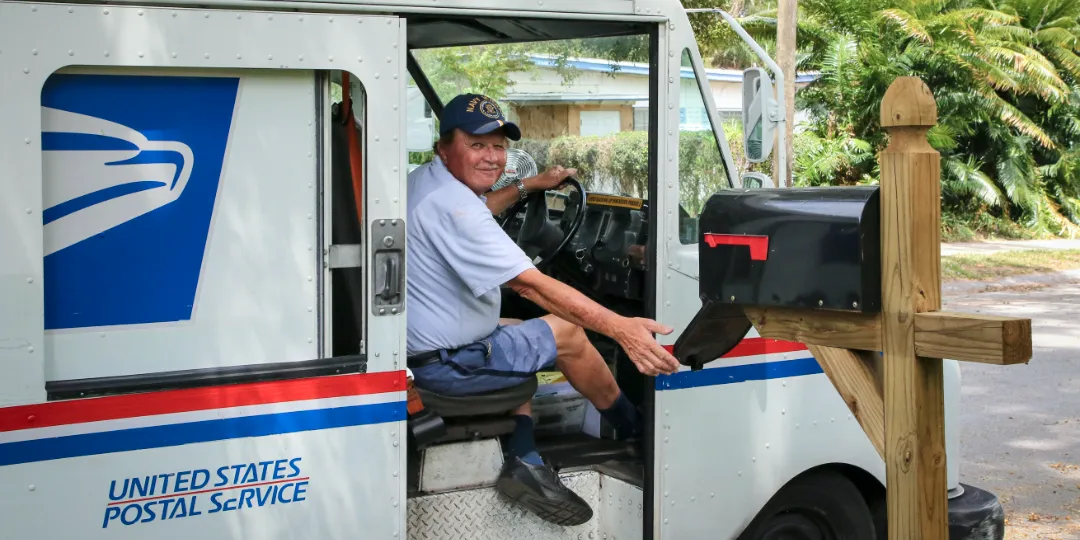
x=635, y=337
x=549, y=179
x=499, y=201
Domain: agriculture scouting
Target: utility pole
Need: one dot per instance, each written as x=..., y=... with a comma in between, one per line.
x=786, y=20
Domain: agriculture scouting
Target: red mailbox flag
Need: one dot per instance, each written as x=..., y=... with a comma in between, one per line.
x=759, y=245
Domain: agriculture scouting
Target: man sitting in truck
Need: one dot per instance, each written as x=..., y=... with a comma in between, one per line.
x=458, y=259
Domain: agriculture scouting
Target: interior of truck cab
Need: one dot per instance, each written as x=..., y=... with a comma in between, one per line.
x=592, y=233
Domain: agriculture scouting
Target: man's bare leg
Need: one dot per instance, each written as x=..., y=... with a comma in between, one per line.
x=582, y=364
x=584, y=368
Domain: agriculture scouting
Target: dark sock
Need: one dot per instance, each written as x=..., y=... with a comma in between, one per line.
x=521, y=441
x=624, y=417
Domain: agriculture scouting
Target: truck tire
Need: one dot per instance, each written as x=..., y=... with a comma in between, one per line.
x=817, y=506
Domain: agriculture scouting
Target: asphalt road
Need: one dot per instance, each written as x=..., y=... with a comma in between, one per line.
x=1020, y=425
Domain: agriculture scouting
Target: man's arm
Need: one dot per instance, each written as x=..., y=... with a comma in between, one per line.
x=633, y=334
x=501, y=199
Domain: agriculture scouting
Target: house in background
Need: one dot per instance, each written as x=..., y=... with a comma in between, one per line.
x=603, y=97
x=606, y=97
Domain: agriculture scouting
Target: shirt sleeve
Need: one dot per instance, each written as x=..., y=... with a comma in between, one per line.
x=477, y=249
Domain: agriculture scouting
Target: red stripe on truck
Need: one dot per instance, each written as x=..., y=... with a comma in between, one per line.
x=80, y=411
x=758, y=345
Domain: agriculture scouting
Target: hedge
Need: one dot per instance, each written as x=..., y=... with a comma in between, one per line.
x=619, y=163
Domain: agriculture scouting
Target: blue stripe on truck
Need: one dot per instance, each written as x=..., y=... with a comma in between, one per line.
x=737, y=374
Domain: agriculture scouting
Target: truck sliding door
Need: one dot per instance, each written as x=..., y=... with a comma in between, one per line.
x=167, y=275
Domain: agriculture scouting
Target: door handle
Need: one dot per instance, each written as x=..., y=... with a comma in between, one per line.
x=388, y=258
x=391, y=287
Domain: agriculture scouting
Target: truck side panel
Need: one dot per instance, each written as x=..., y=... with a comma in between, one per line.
x=163, y=211
x=304, y=458
x=731, y=435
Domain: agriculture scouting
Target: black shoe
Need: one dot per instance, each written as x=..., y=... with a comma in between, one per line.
x=539, y=489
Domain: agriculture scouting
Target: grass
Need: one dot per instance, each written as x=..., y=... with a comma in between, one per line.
x=1008, y=263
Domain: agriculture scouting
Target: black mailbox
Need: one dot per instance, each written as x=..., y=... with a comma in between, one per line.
x=798, y=247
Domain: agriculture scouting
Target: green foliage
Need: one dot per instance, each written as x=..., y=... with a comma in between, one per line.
x=1006, y=77
x=616, y=163
x=483, y=70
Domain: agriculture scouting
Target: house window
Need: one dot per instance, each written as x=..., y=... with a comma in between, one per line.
x=641, y=118
x=600, y=123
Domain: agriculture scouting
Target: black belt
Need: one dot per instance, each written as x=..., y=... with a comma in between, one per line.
x=422, y=359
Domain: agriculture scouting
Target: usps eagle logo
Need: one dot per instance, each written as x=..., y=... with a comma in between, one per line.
x=103, y=174
x=130, y=172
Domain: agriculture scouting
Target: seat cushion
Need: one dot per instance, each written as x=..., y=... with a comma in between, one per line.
x=496, y=402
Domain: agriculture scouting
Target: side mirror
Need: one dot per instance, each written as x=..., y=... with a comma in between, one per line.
x=756, y=180
x=758, y=114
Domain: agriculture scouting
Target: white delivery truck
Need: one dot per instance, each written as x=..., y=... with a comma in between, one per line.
x=202, y=316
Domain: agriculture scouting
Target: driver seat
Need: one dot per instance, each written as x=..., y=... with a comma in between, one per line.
x=478, y=416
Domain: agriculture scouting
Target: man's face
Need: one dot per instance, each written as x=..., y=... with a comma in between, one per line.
x=476, y=160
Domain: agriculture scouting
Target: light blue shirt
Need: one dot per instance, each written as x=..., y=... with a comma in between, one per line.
x=458, y=256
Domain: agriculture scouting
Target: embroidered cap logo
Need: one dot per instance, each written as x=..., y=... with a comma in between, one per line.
x=489, y=109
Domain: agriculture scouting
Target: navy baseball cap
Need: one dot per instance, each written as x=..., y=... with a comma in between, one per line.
x=476, y=114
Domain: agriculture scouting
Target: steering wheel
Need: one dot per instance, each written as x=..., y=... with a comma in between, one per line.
x=539, y=237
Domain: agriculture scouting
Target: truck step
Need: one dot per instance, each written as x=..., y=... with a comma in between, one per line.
x=484, y=514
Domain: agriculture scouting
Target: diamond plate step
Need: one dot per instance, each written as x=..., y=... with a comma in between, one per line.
x=482, y=514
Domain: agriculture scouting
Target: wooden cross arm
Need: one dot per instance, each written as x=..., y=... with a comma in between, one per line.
x=840, y=329
x=973, y=337
x=967, y=337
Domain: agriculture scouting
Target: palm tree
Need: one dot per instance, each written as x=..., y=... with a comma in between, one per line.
x=1004, y=73
x=1052, y=28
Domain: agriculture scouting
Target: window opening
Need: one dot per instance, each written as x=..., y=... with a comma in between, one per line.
x=701, y=164
x=584, y=104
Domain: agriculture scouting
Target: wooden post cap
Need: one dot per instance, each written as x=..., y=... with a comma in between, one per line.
x=908, y=102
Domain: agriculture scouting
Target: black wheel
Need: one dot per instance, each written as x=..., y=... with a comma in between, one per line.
x=816, y=506
x=879, y=511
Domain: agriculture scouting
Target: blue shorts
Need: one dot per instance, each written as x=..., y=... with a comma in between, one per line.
x=511, y=354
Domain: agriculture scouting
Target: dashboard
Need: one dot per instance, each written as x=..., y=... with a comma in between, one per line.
x=607, y=256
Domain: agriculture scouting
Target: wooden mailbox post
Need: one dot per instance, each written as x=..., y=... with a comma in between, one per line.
x=897, y=397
